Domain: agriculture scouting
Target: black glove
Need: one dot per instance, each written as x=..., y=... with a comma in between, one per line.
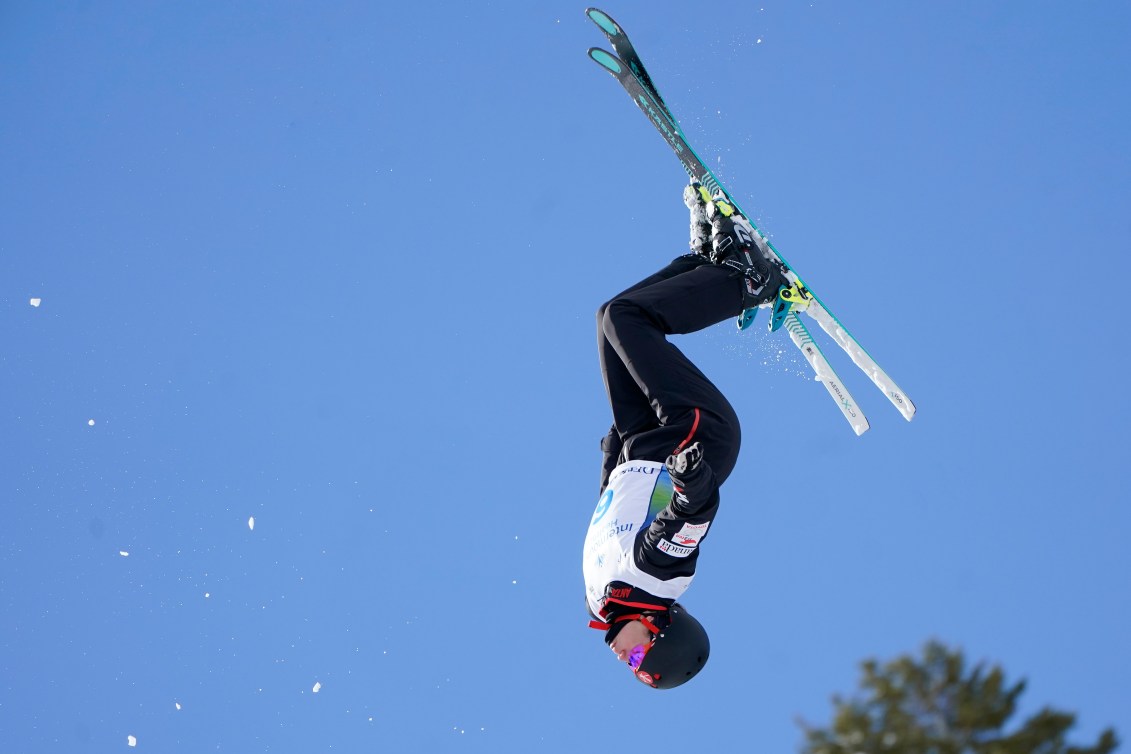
x=685, y=461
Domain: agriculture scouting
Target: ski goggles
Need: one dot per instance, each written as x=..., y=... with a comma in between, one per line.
x=636, y=656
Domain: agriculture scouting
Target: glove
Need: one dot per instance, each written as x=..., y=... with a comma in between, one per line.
x=696, y=198
x=685, y=461
x=732, y=235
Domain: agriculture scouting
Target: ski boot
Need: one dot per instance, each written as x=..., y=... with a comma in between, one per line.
x=696, y=198
x=735, y=244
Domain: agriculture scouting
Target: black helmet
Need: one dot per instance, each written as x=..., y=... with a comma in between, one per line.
x=678, y=652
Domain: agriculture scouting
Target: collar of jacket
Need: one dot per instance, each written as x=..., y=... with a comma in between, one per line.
x=624, y=603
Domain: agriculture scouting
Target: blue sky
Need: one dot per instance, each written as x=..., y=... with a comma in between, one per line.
x=334, y=267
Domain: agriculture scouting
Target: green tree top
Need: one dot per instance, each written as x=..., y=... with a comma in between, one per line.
x=933, y=705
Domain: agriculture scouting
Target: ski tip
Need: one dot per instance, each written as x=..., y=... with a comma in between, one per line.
x=607, y=60
x=901, y=402
x=602, y=19
x=905, y=406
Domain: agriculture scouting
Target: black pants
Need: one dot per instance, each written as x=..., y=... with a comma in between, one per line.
x=661, y=401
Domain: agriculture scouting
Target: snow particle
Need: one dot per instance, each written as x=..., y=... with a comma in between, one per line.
x=177, y=705
x=131, y=740
x=90, y=423
x=207, y=595
x=35, y=301
x=124, y=553
x=758, y=41
x=317, y=687
x=251, y=523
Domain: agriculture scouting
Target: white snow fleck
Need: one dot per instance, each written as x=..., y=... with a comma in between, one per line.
x=36, y=301
x=177, y=705
x=124, y=553
x=207, y=595
x=758, y=41
x=317, y=687
x=90, y=423
x=131, y=740
x=251, y=523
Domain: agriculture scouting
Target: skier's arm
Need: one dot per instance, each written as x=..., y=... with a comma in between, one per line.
x=696, y=488
x=670, y=545
x=610, y=456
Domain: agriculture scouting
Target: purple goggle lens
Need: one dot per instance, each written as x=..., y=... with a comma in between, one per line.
x=636, y=656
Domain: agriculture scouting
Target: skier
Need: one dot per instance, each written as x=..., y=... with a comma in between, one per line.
x=673, y=442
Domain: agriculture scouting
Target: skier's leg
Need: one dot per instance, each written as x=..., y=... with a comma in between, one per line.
x=684, y=406
x=632, y=412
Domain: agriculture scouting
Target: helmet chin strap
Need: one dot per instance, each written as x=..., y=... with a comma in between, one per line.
x=642, y=617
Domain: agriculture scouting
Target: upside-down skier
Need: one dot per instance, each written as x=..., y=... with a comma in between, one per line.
x=674, y=441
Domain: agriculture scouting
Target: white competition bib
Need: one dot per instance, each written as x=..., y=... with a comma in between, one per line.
x=637, y=491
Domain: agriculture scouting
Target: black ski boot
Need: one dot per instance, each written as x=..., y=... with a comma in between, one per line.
x=696, y=199
x=735, y=244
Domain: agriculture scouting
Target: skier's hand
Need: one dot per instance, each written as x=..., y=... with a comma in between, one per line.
x=685, y=461
x=731, y=232
x=696, y=198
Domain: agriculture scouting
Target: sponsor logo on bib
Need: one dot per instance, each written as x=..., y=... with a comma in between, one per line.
x=602, y=506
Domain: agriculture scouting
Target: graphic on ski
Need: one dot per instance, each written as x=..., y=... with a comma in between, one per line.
x=629, y=70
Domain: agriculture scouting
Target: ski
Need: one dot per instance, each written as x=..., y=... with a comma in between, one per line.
x=629, y=70
x=826, y=375
x=622, y=45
